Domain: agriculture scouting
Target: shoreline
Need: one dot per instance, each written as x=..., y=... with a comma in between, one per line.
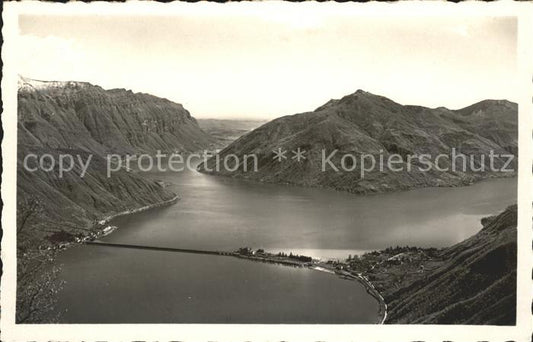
x=265, y=257
x=369, y=287
x=100, y=228
x=320, y=266
x=108, y=218
x=102, y=224
x=367, y=193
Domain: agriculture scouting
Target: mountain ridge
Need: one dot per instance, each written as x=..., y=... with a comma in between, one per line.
x=366, y=123
x=81, y=119
x=87, y=117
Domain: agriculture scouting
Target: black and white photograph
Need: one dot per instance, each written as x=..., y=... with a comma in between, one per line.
x=266, y=165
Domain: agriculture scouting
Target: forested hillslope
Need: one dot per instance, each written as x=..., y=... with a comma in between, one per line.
x=475, y=282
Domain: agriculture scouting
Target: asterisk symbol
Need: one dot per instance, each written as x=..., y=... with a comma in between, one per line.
x=298, y=155
x=279, y=154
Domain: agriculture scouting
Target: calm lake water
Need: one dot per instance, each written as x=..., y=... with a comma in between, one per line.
x=115, y=285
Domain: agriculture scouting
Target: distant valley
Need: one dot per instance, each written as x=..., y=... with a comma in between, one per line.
x=225, y=131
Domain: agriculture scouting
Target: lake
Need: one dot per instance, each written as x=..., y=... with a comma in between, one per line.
x=112, y=285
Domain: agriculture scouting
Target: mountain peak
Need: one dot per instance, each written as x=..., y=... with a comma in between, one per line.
x=28, y=84
x=359, y=94
x=488, y=105
x=489, y=102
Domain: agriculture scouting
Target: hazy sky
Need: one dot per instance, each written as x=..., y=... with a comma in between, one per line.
x=265, y=66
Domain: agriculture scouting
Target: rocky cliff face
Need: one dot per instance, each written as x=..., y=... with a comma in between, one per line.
x=78, y=118
x=364, y=123
x=78, y=115
x=71, y=205
x=474, y=284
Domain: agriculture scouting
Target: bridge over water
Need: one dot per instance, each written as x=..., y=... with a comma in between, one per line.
x=153, y=248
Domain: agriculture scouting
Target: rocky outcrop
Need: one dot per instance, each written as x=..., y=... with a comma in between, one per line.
x=475, y=282
x=364, y=123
